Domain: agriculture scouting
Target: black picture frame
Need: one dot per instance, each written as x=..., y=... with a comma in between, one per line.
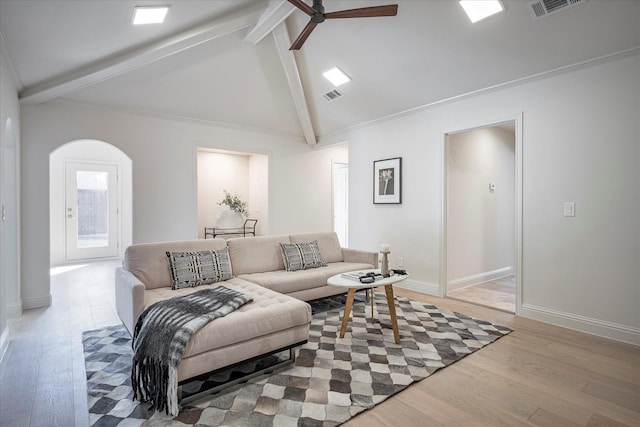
x=387, y=181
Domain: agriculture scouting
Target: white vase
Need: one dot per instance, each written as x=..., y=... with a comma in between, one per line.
x=230, y=219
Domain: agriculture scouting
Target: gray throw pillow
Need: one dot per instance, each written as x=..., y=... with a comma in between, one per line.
x=301, y=256
x=189, y=269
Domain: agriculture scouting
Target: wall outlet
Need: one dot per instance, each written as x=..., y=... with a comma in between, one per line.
x=400, y=262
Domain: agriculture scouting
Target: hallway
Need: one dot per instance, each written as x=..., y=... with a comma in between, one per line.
x=499, y=294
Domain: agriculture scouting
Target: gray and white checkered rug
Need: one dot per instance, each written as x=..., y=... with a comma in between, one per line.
x=332, y=380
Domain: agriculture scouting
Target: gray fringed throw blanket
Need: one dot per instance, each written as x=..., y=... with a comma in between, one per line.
x=161, y=335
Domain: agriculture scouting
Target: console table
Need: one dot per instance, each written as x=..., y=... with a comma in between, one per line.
x=249, y=228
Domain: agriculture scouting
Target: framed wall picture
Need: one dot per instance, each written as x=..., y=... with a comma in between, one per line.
x=387, y=181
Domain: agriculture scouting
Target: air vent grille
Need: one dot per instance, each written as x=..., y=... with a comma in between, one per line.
x=543, y=8
x=333, y=95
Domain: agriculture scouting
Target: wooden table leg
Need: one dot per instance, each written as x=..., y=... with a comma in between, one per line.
x=388, y=289
x=372, y=296
x=347, y=311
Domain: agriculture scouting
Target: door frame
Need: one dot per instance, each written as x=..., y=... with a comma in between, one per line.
x=10, y=298
x=517, y=118
x=87, y=151
x=334, y=166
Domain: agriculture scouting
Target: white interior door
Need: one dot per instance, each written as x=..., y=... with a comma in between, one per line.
x=91, y=195
x=341, y=202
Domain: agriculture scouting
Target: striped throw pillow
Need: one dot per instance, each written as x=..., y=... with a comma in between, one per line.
x=189, y=269
x=301, y=256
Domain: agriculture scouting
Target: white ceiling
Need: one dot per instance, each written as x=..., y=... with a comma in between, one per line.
x=197, y=65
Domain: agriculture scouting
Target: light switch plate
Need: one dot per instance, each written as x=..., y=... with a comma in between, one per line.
x=569, y=209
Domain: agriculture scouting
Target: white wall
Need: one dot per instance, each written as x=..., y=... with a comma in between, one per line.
x=480, y=223
x=10, y=299
x=87, y=151
x=164, y=160
x=581, y=143
x=259, y=192
x=304, y=186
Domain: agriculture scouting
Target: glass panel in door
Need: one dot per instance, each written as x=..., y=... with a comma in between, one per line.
x=91, y=211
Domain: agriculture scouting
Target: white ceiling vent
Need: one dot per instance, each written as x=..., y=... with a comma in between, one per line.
x=544, y=8
x=333, y=95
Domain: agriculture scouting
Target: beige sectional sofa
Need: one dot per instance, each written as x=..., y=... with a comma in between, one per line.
x=277, y=318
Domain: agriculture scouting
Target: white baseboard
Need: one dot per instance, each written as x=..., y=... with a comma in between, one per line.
x=588, y=325
x=421, y=287
x=36, y=302
x=479, y=278
x=14, y=310
x=4, y=342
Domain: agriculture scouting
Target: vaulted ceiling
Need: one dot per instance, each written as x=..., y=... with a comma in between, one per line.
x=227, y=61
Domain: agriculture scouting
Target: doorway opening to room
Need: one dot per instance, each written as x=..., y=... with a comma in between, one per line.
x=90, y=192
x=245, y=175
x=481, y=218
x=340, y=198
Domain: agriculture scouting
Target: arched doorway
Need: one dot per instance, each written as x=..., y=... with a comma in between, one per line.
x=90, y=201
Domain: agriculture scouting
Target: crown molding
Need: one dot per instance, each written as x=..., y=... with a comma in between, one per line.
x=174, y=117
x=342, y=134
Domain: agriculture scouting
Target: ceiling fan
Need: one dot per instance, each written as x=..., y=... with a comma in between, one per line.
x=316, y=12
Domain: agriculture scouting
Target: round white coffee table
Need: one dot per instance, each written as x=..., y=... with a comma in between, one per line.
x=354, y=285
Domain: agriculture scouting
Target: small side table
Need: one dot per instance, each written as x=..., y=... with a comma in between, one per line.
x=354, y=285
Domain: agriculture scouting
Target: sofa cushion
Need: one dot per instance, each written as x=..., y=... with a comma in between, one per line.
x=301, y=256
x=256, y=254
x=190, y=269
x=293, y=281
x=287, y=281
x=148, y=261
x=328, y=244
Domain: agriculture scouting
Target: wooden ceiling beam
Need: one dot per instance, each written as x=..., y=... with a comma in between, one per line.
x=125, y=62
x=295, y=82
x=275, y=14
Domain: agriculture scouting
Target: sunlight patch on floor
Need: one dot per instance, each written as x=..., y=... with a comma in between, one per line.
x=65, y=268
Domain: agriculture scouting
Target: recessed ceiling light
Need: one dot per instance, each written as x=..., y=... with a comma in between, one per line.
x=480, y=9
x=336, y=76
x=149, y=15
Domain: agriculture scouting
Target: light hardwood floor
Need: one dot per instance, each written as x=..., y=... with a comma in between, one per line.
x=499, y=294
x=538, y=375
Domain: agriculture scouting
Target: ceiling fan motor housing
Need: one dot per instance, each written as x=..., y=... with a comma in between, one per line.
x=318, y=17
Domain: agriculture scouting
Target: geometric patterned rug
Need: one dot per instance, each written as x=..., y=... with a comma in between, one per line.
x=331, y=380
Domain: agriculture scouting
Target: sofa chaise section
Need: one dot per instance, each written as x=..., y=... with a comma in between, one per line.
x=270, y=322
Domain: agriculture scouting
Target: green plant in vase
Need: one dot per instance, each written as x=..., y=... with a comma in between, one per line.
x=234, y=203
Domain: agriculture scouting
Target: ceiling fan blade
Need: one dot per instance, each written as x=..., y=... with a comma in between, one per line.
x=364, y=12
x=303, y=7
x=297, y=44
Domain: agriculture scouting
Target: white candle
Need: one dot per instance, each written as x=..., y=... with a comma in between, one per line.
x=385, y=248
